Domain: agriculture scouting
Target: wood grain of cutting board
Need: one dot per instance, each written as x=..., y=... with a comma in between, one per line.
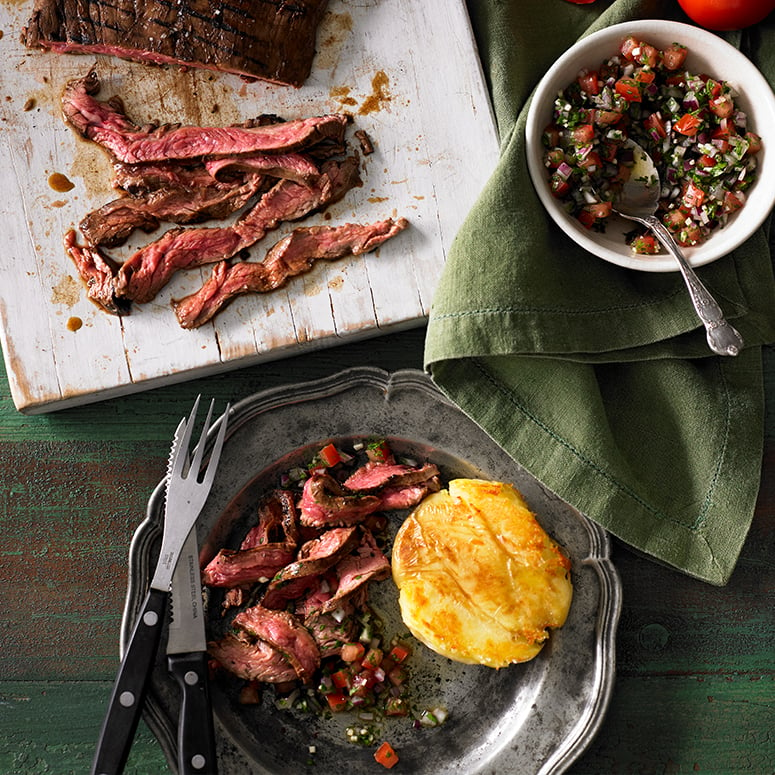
x=406, y=72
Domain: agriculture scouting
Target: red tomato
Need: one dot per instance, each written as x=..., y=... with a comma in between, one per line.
x=694, y=196
x=629, y=89
x=673, y=56
x=687, y=125
x=386, y=756
x=727, y=14
x=589, y=82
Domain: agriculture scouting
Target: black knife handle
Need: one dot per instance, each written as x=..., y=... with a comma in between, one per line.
x=196, y=736
x=126, y=701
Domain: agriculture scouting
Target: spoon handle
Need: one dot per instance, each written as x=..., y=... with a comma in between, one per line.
x=723, y=338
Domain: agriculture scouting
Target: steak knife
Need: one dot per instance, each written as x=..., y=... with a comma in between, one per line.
x=187, y=662
x=186, y=495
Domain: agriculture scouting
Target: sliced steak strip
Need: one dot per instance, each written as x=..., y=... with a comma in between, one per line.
x=253, y=660
x=106, y=124
x=142, y=178
x=234, y=567
x=374, y=476
x=408, y=495
x=98, y=273
x=277, y=521
x=315, y=558
x=324, y=503
x=148, y=270
x=285, y=634
x=271, y=40
x=293, y=166
x=331, y=633
x=114, y=222
x=356, y=570
x=292, y=256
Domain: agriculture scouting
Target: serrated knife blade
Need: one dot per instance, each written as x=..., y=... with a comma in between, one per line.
x=187, y=663
x=186, y=495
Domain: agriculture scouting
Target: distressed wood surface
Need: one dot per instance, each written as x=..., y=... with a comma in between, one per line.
x=695, y=685
x=421, y=99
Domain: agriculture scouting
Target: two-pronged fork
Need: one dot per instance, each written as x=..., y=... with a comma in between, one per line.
x=187, y=492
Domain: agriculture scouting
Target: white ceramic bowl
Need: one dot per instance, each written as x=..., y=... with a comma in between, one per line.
x=709, y=54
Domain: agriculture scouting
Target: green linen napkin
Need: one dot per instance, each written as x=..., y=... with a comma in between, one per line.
x=598, y=379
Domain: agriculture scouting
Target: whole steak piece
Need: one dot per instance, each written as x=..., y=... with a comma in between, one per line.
x=273, y=40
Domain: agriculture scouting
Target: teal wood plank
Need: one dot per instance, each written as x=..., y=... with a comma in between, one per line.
x=51, y=728
x=718, y=725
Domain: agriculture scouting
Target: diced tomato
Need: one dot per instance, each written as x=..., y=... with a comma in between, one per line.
x=706, y=162
x=337, y=701
x=363, y=683
x=591, y=161
x=353, y=652
x=628, y=45
x=754, y=142
x=656, y=125
x=342, y=679
x=559, y=185
x=589, y=82
x=674, y=56
x=629, y=89
x=687, y=125
x=724, y=130
x=712, y=87
x=592, y=213
x=586, y=218
x=648, y=55
x=554, y=157
x=396, y=706
x=551, y=136
x=732, y=202
x=329, y=455
x=674, y=220
x=386, y=756
x=397, y=675
x=607, y=117
x=373, y=659
x=689, y=235
x=583, y=133
x=642, y=75
x=646, y=244
x=722, y=106
x=400, y=652
x=693, y=196
x=679, y=79
x=379, y=452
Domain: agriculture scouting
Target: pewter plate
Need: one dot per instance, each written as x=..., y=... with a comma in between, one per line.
x=535, y=717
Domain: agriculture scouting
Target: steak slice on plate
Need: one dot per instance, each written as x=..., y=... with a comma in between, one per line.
x=272, y=40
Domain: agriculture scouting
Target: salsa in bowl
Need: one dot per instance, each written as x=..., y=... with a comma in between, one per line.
x=691, y=100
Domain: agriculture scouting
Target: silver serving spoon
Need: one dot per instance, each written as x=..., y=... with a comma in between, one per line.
x=637, y=200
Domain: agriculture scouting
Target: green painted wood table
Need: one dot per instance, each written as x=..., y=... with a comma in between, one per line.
x=694, y=690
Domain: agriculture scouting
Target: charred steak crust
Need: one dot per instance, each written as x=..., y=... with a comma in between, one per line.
x=272, y=40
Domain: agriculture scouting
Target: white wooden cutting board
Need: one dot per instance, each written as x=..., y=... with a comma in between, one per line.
x=409, y=74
